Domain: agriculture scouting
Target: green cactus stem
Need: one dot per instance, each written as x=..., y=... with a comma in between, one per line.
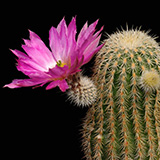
x=124, y=122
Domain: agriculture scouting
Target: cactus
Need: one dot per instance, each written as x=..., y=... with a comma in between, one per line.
x=124, y=122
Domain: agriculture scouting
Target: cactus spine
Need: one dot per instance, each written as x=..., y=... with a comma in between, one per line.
x=124, y=122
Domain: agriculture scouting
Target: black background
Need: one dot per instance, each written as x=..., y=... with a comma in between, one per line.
x=36, y=123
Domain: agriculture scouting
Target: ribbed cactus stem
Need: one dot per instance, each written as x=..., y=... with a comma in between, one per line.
x=157, y=118
x=124, y=122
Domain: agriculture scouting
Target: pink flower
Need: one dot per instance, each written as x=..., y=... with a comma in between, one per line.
x=65, y=58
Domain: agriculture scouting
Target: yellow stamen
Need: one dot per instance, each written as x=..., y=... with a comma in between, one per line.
x=60, y=64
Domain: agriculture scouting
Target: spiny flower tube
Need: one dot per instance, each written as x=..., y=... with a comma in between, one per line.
x=65, y=58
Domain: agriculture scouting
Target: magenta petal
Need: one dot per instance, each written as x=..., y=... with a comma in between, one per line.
x=33, y=35
x=55, y=43
x=27, y=42
x=25, y=68
x=52, y=85
x=64, y=42
x=36, y=56
x=26, y=59
x=31, y=72
x=89, y=48
x=19, y=54
x=91, y=54
x=17, y=83
x=80, y=36
x=86, y=32
x=92, y=46
x=38, y=50
x=61, y=83
x=97, y=33
x=88, y=37
x=72, y=28
x=61, y=25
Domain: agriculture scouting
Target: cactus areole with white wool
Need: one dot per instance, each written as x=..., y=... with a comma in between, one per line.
x=124, y=122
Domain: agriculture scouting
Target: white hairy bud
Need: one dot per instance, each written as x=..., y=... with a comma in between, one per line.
x=82, y=90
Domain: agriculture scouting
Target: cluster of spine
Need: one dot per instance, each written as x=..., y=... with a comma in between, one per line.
x=124, y=122
x=82, y=90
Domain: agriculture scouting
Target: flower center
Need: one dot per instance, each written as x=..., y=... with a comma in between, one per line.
x=60, y=63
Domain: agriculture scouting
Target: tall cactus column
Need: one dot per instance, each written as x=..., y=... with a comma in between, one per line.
x=124, y=122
